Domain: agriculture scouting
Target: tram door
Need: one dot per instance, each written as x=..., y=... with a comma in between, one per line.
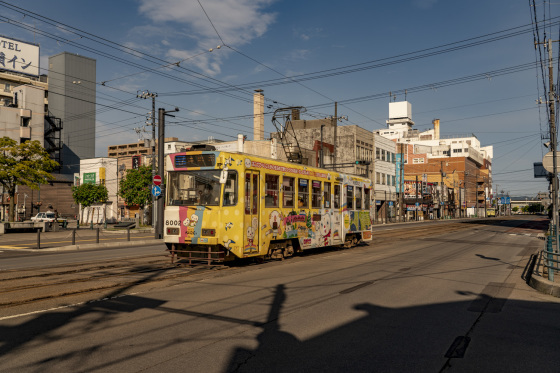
x=251, y=217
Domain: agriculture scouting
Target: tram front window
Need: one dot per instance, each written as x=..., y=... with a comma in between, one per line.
x=187, y=188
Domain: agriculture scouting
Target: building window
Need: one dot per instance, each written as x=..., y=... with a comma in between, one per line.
x=377, y=153
x=417, y=160
x=8, y=87
x=377, y=178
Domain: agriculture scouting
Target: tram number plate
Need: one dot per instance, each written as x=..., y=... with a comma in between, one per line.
x=172, y=222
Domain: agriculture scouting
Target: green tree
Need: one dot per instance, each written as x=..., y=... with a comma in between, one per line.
x=89, y=194
x=136, y=187
x=515, y=209
x=27, y=164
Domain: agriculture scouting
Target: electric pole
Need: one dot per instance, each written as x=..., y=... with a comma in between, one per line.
x=553, y=143
x=152, y=95
x=158, y=231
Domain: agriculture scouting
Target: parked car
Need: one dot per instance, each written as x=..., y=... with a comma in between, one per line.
x=48, y=217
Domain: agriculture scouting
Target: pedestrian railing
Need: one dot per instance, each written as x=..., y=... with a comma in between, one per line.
x=549, y=258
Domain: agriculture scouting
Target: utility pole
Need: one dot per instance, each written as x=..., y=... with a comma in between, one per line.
x=335, y=124
x=441, y=202
x=152, y=95
x=553, y=144
x=158, y=231
x=417, y=205
x=485, y=197
x=401, y=207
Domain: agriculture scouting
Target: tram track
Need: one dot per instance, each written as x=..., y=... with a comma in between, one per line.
x=98, y=278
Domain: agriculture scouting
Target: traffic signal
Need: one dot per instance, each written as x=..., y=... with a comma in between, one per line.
x=363, y=162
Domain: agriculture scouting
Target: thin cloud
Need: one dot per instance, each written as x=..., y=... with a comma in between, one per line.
x=238, y=22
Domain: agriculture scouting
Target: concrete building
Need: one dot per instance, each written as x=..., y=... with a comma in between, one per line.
x=24, y=119
x=72, y=90
x=431, y=156
x=385, y=188
x=100, y=171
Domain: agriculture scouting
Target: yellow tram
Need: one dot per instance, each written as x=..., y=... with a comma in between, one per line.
x=224, y=205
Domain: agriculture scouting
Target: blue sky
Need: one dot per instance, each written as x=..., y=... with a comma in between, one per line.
x=266, y=41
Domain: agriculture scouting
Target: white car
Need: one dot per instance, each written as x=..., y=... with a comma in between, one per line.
x=44, y=216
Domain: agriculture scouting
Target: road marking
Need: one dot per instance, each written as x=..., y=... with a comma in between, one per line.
x=12, y=247
x=66, y=306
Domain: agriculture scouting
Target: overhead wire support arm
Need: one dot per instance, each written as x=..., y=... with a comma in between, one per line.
x=282, y=120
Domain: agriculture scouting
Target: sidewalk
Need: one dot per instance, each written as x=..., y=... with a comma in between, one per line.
x=84, y=239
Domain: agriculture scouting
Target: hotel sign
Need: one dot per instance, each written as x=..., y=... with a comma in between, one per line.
x=19, y=56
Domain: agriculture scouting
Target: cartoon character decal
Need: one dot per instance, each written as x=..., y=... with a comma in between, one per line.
x=229, y=225
x=251, y=231
x=186, y=222
x=194, y=220
x=275, y=220
x=325, y=229
x=228, y=243
x=228, y=161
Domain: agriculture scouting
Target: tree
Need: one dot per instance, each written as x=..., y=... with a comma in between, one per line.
x=27, y=164
x=88, y=194
x=136, y=187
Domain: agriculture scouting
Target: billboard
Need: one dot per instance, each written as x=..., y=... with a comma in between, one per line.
x=19, y=56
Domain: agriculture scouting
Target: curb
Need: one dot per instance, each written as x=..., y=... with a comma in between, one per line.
x=545, y=286
x=108, y=245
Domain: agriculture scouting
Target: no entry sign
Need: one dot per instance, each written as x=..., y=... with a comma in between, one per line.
x=157, y=180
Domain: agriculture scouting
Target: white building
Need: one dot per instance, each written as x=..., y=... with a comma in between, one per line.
x=100, y=171
x=399, y=128
x=385, y=178
x=26, y=120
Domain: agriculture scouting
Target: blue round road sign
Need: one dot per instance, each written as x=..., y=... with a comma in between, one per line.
x=156, y=191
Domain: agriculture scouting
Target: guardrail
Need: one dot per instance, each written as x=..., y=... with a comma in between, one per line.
x=548, y=258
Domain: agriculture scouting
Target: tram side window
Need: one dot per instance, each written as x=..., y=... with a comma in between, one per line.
x=288, y=188
x=337, y=196
x=271, y=190
x=350, y=197
x=303, y=193
x=327, y=195
x=358, y=193
x=230, y=189
x=367, y=193
x=316, y=194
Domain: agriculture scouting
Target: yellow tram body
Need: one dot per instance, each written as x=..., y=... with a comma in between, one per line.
x=241, y=205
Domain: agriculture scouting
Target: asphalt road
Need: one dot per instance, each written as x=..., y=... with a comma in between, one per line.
x=451, y=302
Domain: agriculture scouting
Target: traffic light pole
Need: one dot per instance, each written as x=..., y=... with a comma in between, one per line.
x=158, y=231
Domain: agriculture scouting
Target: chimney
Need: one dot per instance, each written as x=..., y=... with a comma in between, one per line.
x=435, y=122
x=258, y=115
